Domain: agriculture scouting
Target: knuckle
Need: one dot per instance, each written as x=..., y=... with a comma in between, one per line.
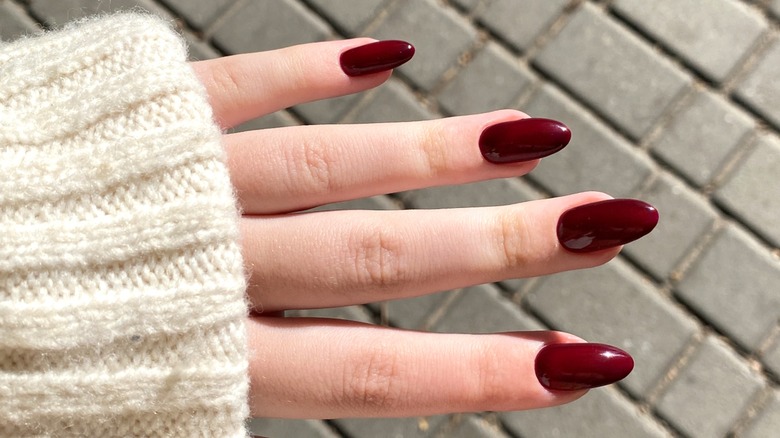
x=226, y=79
x=370, y=381
x=433, y=148
x=514, y=242
x=376, y=253
x=310, y=167
x=492, y=387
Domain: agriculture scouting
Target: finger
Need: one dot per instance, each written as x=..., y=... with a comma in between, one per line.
x=357, y=257
x=315, y=368
x=294, y=168
x=243, y=87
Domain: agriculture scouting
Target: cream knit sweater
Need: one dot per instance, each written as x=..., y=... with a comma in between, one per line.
x=121, y=283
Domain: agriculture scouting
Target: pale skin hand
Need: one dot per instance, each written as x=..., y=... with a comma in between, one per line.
x=316, y=368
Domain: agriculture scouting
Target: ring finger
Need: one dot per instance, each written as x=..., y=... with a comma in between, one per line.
x=358, y=257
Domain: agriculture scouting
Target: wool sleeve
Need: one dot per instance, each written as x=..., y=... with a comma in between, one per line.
x=121, y=282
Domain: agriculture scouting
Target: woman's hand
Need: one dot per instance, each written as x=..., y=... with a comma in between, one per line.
x=318, y=368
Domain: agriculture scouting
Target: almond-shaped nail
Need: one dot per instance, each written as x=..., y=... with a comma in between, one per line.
x=570, y=367
x=375, y=57
x=605, y=224
x=523, y=140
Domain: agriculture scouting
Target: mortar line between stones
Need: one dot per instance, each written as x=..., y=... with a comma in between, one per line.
x=758, y=402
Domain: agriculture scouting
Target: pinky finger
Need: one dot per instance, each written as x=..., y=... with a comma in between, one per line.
x=319, y=368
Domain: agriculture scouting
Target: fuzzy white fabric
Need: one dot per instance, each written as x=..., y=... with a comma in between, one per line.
x=121, y=282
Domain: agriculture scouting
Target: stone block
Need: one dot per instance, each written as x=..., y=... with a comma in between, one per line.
x=760, y=89
x=268, y=24
x=614, y=71
x=520, y=22
x=733, y=285
x=350, y=16
x=710, y=393
x=751, y=191
x=702, y=137
x=600, y=413
x=482, y=309
x=713, y=36
x=491, y=81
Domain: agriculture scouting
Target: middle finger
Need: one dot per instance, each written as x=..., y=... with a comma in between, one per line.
x=294, y=168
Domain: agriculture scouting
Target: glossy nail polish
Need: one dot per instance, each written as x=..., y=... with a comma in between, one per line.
x=605, y=224
x=523, y=140
x=571, y=367
x=375, y=57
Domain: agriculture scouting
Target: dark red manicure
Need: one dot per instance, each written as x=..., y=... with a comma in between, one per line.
x=605, y=224
x=570, y=367
x=523, y=140
x=375, y=57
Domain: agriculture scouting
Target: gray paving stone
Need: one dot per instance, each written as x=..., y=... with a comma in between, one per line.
x=276, y=428
x=482, y=309
x=56, y=13
x=771, y=358
x=391, y=428
x=199, y=13
x=14, y=22
x=767, y=422
x=600, y=413
x=684, y=218
x=413, y=313
x=596, y=158
x=328, y=110
x=751, y=193
x=613, y=305
x=471, y=426
x=520, y=22
x=492, y=80
x=713, y=36
x=613, y=70
x=349, y=15
x=479, y=194
x=256, y=26
x=393, y=102
x=733, y=285
x=699, y=140
x=379, y=202
x=710, y=393
x=761, y=87
x=438, y=34
x=351, y=313
x=274, y=120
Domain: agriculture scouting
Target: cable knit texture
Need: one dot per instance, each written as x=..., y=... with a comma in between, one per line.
x=121, y=283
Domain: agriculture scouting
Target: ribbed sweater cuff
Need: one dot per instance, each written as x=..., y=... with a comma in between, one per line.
x=121, y=284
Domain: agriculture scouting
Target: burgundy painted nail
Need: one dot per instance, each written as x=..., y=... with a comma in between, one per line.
x=375, y=57
x=571, y=367
x=523, y=140
x=605, y=224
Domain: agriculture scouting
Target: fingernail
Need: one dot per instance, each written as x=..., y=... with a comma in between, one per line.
x=375, y=57
x=605, y=224
x=570, y=367
x=523, y=140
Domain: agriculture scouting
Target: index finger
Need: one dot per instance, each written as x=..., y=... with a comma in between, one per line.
x=247, y=86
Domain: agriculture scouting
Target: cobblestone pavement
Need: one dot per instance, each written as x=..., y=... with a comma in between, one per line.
x=672, y=101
